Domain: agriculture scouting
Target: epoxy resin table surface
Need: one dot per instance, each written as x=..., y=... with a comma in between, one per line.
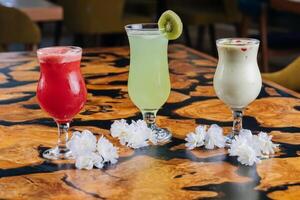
x=156, y=172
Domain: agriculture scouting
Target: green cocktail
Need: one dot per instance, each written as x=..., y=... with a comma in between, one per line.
x=149, y=81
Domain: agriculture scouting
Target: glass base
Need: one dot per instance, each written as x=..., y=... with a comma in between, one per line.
x=57, y=154
x=161, y=135
x=228, y=139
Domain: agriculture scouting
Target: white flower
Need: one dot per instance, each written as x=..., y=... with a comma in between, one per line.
x=138, y=134
x=142, y=127
x=211, y=138
x=88, y=153
x=85, y=161
x=251, y=140
x=201, y=130
x=246, y=134
x=235, y=144
x=135, y=135
x=98, y=161
x=82, y=143
x=245, y=137
x=119, y=128
x=244, y=146
x=107, y=151
x=266, y=144
x=214, y=137
x=196, y=139
x=246, y=154
x=249, y=148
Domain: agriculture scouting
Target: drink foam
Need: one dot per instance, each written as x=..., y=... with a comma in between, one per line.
x=237, y=42
x=59, y=54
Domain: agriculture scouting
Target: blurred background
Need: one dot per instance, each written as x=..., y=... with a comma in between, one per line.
x=30, y=24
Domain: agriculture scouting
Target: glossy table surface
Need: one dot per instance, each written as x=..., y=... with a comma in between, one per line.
x=156, y=172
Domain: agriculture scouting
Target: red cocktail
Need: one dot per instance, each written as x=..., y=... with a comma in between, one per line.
x=61, y=91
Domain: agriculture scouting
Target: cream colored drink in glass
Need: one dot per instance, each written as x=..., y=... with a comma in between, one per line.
x=237, y=80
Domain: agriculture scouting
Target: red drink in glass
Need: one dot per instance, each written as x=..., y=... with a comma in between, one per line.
x=61, y=91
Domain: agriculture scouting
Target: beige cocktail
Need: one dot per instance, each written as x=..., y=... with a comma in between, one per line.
x=237, y=80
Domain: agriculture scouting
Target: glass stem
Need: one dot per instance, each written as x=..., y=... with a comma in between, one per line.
x=237, y=121
x=149, y=117
x=63, y=136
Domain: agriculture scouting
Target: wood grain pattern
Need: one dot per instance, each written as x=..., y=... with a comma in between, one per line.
x=288, y=138
x=278, y=171
x=212, y=109
x=128, y=177
x=206, y=91
x=275, y=111
x=167, y=171
x=293, y=192
x=271, y=91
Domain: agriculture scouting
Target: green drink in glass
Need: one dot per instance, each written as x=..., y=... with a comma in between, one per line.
x=149, y=81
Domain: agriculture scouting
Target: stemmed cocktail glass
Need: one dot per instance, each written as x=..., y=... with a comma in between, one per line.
x=237, y=80
x=61, y=91
x=149, y=82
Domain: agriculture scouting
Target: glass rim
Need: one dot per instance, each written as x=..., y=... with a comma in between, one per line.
x=250, y=41
x=43, y=50
x=142, y=27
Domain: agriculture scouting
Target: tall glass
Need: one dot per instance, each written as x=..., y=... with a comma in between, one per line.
x=237, y=80
x=61, y=91
x=149, y=81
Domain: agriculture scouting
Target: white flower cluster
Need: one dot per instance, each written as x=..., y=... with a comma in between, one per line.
x=250, y=148
x=89, y=153
x=134, y=135
x=247, y=147
x=211, y=138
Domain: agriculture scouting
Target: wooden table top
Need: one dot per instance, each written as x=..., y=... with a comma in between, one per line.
x=37, y=10
x=156, y=172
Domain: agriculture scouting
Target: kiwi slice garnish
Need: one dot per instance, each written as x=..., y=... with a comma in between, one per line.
x=170, y=24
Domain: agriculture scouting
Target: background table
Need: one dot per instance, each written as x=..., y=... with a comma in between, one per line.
x=292, y=6
x=37, y=10
x=156, y=172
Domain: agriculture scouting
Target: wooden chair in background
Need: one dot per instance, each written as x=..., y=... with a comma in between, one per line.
x=263, y=9
x=16, y=27
x=205, y=13
x=97, y=17
x=287, y=77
